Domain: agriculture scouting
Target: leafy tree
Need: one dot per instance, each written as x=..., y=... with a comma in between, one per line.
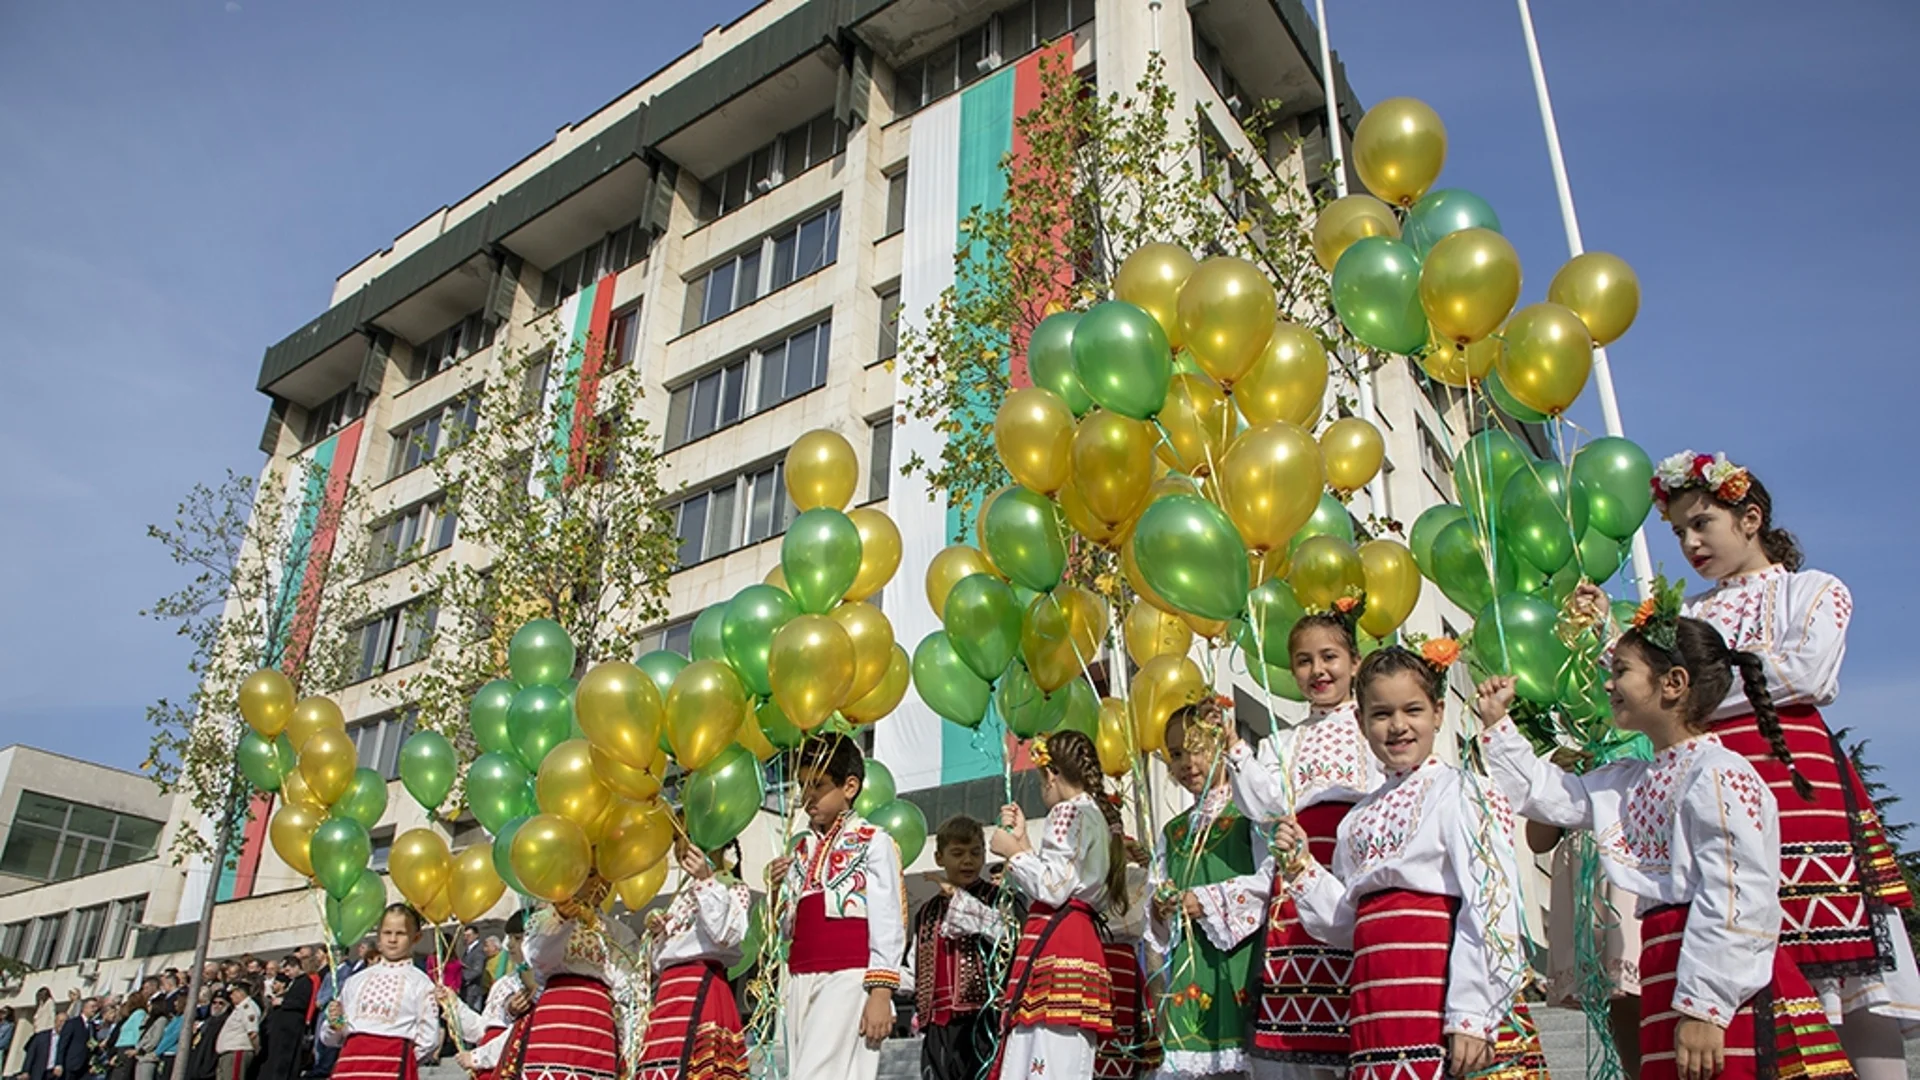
x=1883, y=801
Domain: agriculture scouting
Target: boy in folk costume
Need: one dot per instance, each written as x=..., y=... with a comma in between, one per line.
x=693, y=1028
x=843, y=910
x=586, y=1012
x=954, y=935
x=386, y=1019
x=509, y=999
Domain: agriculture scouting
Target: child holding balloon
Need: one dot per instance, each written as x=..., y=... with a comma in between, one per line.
x=693, y=1028
x=386, y=1019
x=577, y=958
x=485, y=1032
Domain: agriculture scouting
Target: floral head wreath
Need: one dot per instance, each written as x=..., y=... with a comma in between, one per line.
x=1657, y=619
x=1440, y=653
x=1687, y=470
x=1037, y=751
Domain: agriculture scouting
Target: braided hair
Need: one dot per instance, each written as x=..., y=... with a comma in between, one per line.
x=1073, y=756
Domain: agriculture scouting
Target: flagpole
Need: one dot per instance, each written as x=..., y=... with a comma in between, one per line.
x=1570, y=219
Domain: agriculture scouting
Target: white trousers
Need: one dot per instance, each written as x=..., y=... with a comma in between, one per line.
x=1052, y=1053
x=823, y=1027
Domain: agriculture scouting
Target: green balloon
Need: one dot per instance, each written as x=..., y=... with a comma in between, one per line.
x=1368, y=643
x=1460, y=568
x=261, y=762
x=365, y=800
x=540, y=719
x=1272, y=609
x=1619, y=482
x=1122, y=358
x=1582, y=692
x=1190, y=553
x=503, y=851
x=904, y=822
x=1376, y=292
x=1514, y=635
x=747, y=629
x=497, y=790
x=1543, y=514
x=488, y=713
x=755, y=940
x=1026, y=538
x=875, y=791
x=541, y=654
x=820, y=557
x=982, y=620
x=661, y=666
x=1441, y=213
x=1623, y=613
x=1083, y=709
x=1482, y=468
x=1504, y=400
x=1600, y=554
x=783, y=733
x=1330, y=518
x=1050, y=360
x=1425, y=528
x=1561, y=584
x=427, y=768
x=946, y=684
x=721, y=797
x=339, y=851
x=355, y=914
x=1027, y=710
x=1276, y=679
x=708, y=642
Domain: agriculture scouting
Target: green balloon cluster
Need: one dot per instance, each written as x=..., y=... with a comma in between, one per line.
x=1442, y=213
x=708, y=644
x=339, y=850
x=365, y=800
x=540, y=718
x=355, y=912
x=945, y=682
x=1515, y=635
x=488, y=716
x=1027, y=710
x=499, y=789
x=540, y=654
x=1376, y=293
x=1191, y=554
x=876, y=790
x=721, y=797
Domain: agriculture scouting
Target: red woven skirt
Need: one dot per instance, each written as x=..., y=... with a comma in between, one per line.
x=569, y=1035
x=693, y=1029
x=376, y=1057
x=1779, y=1032
x=1132, y=1050
x=1401, y=942
x=1059, y=974
x=1301, y=982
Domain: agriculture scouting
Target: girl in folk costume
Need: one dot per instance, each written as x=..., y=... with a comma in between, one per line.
x=1211, y=878
x=1695, y=834
x=1422, y=890
x=1839, y=883
x=1059, y=993
x=386, y=1018
x=693, y=1029
x=1132, y=1050
x=584, y=1014
x=1313, y=772
x=485, y=1032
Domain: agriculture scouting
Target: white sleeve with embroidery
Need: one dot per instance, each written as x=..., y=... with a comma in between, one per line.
x=722, y=911
x=1073, y=849
x=1804, y=642
x=1235, y=909
x=968, y=916
x=1487, y=965
x=1540, y=790
x=496, y=1014
x=1325, y=908
x=886, y=912
x=487, y=1054
x=545, y=944
x=1732, y=828
x=1258, y=789
x=426, y=1017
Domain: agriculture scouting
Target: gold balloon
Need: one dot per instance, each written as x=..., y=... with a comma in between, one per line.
x=619, y=708
x=1211, y=629
x=811, y=668
x=1162, y=685
x=1081, y=519
x=1288, y=382
x=1460, y=366
x=949, y=567
x=568, y=786
x=1061, y=635
x=551, y=857
x=1398, y=150
x=1198, y=423
x=822, y=470
x=436, y=909
x=886, y=697
x=1600, y=288
x=1352, y=450
x=1137, y=581
x=1545, y=357
x=754, y=739
x=292, y=826
x=294, y=790
x=1468, y=284
x=1264, y=568
x=879, y=552
x=1346, y=220
x=777, y=577
x=1112, y=464
x=1033, y=434
x=327, y=763
x=872, y=637
x=1114, y=737
x=1151, y=632
x=625, y=780
x=1270, y=482
x=637, y=836
x=474, y=885
x=1150, y=279
x=1393, y=586
x=266, y=702
x=639, y=890
x=419, y=865
x=1226, y=315
x=704, y=709
x=310, y=717
x=1325, y=569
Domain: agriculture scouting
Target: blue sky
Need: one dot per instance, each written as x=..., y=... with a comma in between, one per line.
x=183, y=180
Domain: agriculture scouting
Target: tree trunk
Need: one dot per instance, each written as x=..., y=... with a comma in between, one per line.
x=222, y=842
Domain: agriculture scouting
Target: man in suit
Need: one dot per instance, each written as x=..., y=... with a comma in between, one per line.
x=473, y=969
x=72, y=1054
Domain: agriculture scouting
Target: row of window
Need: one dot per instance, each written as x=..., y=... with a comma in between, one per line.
x=53, y=839
x=427, y=436
x=1007, y=36
x=395, y=639
x=100, y=932
x=333, y=414
x=420, y=529
x=450, y=346
x=776, y=372
x=791, y=153
x=1214, y=67
x=608, y=255
x=378, y=740
x=773, y=262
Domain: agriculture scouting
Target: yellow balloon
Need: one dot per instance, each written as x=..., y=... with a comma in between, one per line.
x=292, y=826
x=639, y=890
x=1113, y=739
x=1270, y=482
x=1461, y=366
x=1033, y=434
x=619, y=709
x=777, y=577
x=1211, y=629
x=1226, y=315
x=310, y=717
x=1162, y=685
x=474, y=886
x=637, y=836
x=1398, y=150
x=1112, y=464
x=266, y=702
x=1545, y=357
x=872, y=637
x=1468, y=284
x=294, y=790
x=1061, y=635
x=1198, y=423
x=1346, y=220
x=551, y=857
x=949, y=567
x=1151, y=632
x=436, y=909
x=811, y=668
x=822, y=470
x=879, y=552
x=1325, y=569
x=419, y=865
x=704, y=708
x=1081, y=519
x=754, y=738
x=1393, y=586
x=625, y=780
x=568, y=786
x=1352, y=450
x=327, y=763
x=1600, y=288
x=1150, y=279
x=1288, y=382
x=886, y=697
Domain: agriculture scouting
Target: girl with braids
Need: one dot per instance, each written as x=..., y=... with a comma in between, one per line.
x=1059, y=995
x=1695, y=834
x=1313, y=772
x=1840, y=885
x=693, y=1028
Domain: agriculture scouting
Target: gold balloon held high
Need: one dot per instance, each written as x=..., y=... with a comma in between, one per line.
x=1600, y=288
x=1399, y=149
x=1346, y=220
x=1227, y=310
x=1150, y=279
x=1468, y=284
x=1545, y=358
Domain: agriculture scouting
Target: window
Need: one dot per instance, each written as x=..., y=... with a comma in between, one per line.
x=609, y=255
x=452, y=345
x=880, y=459
x=335, y=413
x=769, y=509
x=889, y=323
x=442, y=429
x=675, y=637
x=12, y=937
x=53, y=839
x=792, y=367
x=742, y=510
x=896, y=203
x=1213, y=65
x=790, y=153
x=420, y=529
x=623, y=339
x=397, y=638
x=378, y=741
x=771, y=263
x=1006, y=37
x=782, y=370
x=533, y=380
x=1433, y=461
x=83, y=937
x=382, y=853
x=122, y=917
x=42, y=937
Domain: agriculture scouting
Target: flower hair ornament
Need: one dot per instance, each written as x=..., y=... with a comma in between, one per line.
x=1658, y=617
x=1440, y=653
x=1039, y=754
x=1687, y=470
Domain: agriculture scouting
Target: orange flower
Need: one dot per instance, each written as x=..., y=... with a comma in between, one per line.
x=1346, y=604
x=1440, y=652
x=1645, y=612
x=1735, y=487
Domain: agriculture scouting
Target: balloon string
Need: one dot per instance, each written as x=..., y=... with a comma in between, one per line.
x=442, y=953
x=326, y=937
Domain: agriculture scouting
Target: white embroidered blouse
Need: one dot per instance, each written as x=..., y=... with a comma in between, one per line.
x=706, y=921
x=856, y=865
x=556, y=945
x=1322, y=759
x=1428, y=830
x=1795, y=621
x=1231, y=910
x=396, y=1000
x=1071, y=861
x=1695, y=826
x=493, y=1016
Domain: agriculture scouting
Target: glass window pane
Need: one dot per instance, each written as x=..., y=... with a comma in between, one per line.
x=679, y=409
x=823, y=141
x=759, y=171
x=444, y=525
x=800, y=363
x=693, y=529
x=773, y=368
x=1051, y=18
x=733, y=385
x=41, y=809
x=734, y=194
x=749, y=274
x=760, y=512
x=896, y=202
x=973, y=50
x=783, y=249
x=879, y=460
x=1016, y=31
x=793, y=153
x=678, y=639
x=889, y=324
x=706, y=401
x=813, y=246
x=833, y=238
x=906, y=89
x=941, y=69
x=719, y=292
x=720, y=528
x=30, y=851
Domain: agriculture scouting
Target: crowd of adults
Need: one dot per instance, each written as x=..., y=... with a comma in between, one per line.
x=255, y=1019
